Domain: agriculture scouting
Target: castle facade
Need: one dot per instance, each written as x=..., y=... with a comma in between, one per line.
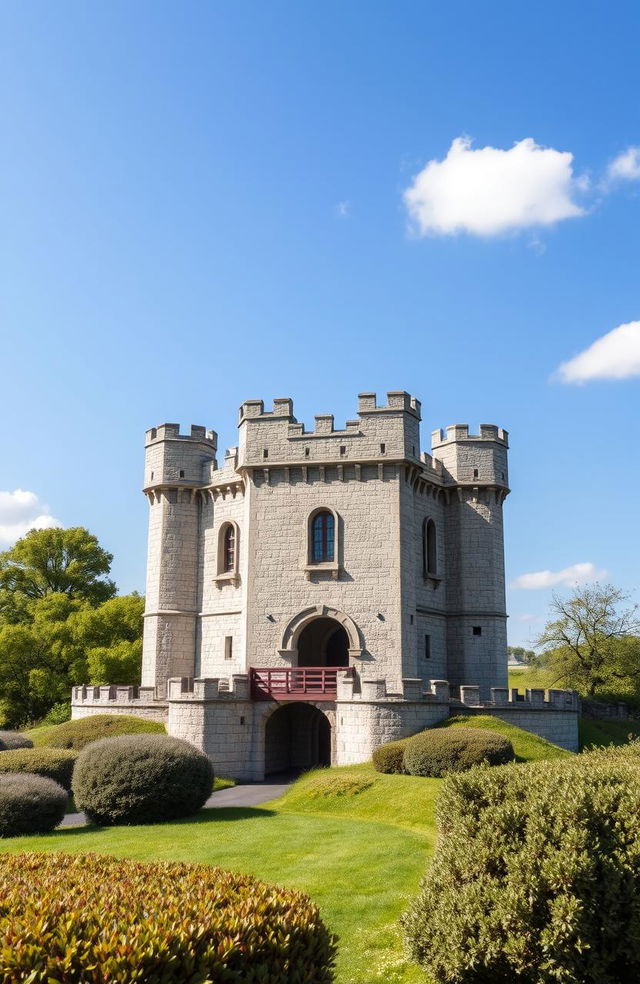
x=320, y=592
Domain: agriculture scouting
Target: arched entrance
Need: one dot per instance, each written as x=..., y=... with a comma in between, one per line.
x=297, y=737
x=323, y=642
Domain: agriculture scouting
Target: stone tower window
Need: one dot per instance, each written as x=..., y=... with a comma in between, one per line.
x=429, y=549
x=228, y=550
x=477, y=630
x=322, y=537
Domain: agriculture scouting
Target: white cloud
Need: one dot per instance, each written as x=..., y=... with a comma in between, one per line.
x=343, y=210
x=614, y=356
x=487, y=192
x=570, y=577
x=626, y=166
x=21, y=511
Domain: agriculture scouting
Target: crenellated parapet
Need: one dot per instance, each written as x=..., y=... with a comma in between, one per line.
x=531, y=699
x=386, y=432
x=473, y=460
x=178, y=461
x=234, y=687
x=143, y=702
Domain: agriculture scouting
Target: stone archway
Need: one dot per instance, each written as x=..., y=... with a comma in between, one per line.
x=323, y=642
x=297, y=738
x=325, y=613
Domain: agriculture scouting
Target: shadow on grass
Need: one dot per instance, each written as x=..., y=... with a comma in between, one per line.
x=210, y=814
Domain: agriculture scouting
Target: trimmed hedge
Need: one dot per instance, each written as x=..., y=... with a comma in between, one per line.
x=441, y=750
x=13, y=739
x=389, y=758
x=536, y=875
x=78, y=734
x=29, y=805
x=141, y=779
x=167, y=922
x=54, y=763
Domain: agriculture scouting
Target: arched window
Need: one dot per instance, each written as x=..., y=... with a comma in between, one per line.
x=229, y=550
x=323, y=535
x=429, y=549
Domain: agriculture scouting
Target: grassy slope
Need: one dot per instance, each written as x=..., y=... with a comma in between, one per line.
x=360, y=873
x=530, y=677
x=527, y=746
x=355, y=840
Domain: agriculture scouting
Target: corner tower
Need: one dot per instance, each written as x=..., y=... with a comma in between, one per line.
x=476, y=465
x=176, y=467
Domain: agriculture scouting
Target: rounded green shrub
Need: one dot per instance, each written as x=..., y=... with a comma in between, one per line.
x=166, y=922
x=30, y=804
x=441, y=750
x=13, y=739
x=536, y=875
x=389, y=758
x=54, y=763
x=141, y=779
x=80, y=733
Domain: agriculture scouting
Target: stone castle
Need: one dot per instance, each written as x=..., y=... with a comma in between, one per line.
x=325, y=591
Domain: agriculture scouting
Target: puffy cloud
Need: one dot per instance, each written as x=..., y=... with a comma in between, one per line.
x=21, y=511
x=626, y=166
x=570, y=577
x=488, y=191
x=614, y=356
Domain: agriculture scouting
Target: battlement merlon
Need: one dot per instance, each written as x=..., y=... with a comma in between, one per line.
x=176, y=459
x=468, y=459
x=389, y=431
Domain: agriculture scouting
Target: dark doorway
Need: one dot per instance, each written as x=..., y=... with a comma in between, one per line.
x=297, y=737
x=323, y=642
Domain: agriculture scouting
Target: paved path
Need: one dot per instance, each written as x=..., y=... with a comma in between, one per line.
x=245, y=794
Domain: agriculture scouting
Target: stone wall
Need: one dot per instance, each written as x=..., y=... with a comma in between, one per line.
x=139, y=701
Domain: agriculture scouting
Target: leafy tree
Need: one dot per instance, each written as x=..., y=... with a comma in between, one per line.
x=60, y=623
x=521, y=654
x=70, y=562
x=589, y=642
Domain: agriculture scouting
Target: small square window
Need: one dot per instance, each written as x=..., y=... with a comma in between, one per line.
x=181, y=473
x=228, y=647
x=427, y=647
x=477, y=630
x=265, y=452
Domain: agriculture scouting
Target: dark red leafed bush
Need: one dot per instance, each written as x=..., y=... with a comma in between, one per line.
x=96, y=920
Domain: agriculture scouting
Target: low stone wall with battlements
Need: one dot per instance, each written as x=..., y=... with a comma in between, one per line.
x=218, y=716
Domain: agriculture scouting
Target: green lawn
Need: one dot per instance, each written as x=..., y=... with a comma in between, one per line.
x=355, y=840
x=360, y=871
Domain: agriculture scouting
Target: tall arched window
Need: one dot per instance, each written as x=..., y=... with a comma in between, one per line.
x=429, y=549
x=323, y=535
x=229, y=549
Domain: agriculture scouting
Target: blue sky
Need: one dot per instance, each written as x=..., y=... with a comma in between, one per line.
x=208, y=202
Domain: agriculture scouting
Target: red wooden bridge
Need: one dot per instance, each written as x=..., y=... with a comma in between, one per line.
x=296, y=682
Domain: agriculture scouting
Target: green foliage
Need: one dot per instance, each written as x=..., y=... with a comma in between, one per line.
x=526, y=746
x=64, y=641
x=78, y=734
x=54, y=763
x=141, y=779
x=13, y=739
x=603, y=732
x=58, y=714
x=30, y=804
x=55, y=561
x=520, y=653
x=388, y=758
x=590, y=642
x=441, y=750
x=536, y=876
x=167, y=922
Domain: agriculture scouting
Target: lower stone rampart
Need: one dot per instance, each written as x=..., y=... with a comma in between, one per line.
x=218, y=715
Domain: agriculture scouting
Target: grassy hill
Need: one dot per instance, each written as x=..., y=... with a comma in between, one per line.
x=527, y=746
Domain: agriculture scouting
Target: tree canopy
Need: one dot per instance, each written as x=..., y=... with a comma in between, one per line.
x=61, y=623
x=590, y=643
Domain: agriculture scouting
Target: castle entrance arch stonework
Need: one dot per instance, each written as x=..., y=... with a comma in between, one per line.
x=324, y=633
x=298, y=736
